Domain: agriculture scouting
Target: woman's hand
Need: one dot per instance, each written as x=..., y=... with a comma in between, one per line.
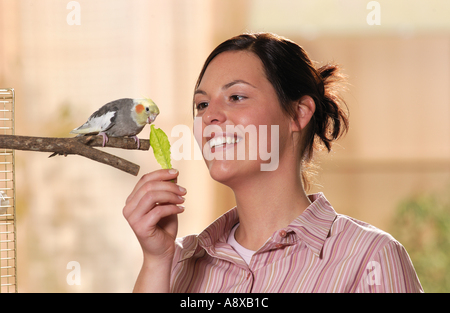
x=151, y=210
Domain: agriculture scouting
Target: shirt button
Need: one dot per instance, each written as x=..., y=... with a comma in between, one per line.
x=283, y=233
x=279, y=246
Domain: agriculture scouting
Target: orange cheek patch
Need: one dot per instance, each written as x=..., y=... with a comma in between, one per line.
x=139, y=108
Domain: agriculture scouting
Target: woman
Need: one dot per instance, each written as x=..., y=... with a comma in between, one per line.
x=277, y=239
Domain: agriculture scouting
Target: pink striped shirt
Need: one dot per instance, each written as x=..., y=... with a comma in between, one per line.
x=320, y=251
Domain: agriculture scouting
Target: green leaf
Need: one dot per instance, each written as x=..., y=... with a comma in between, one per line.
x=161, y=147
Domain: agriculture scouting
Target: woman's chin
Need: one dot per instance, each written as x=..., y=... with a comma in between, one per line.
x=232, y=172
x=221, y=171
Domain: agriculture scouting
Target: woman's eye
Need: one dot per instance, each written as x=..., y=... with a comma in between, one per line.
x=236, y=98
x=201, y=106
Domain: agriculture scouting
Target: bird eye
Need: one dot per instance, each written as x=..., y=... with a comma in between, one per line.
x=147, y=109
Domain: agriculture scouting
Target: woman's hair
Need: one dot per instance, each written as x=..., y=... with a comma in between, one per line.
x=293, y=75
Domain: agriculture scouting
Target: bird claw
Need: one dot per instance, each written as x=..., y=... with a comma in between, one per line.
x=105, y=138
x=136, y=139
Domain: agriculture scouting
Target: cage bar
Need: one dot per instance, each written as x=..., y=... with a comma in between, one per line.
x=8, y=244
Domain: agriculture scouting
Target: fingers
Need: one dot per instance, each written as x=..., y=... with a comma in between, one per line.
x=162, y=217
x=159, y=215
x=150, y=200
x=153, y=190
x=159, y=175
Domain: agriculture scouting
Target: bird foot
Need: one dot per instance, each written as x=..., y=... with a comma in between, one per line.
x=136, y=139
x=105, y=138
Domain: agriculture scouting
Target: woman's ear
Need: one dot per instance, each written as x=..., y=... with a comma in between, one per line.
x=305, y=108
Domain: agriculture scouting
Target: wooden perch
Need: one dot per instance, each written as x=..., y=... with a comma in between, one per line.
x=78, y=145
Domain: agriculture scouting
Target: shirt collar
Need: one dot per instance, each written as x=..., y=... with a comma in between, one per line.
x=312, y=227
x=314, y=224
x=219, y=230
x=216, y=234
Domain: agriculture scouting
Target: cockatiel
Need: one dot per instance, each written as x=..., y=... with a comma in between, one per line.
x=119, y=118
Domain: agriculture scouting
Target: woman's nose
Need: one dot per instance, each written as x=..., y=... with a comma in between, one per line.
x=215, y=113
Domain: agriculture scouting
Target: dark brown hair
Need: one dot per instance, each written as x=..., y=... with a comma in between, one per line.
x=293, y=75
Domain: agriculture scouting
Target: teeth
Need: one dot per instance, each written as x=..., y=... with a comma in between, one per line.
x=222, y=140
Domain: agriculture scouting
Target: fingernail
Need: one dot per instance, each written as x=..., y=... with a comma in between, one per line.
x=181, y=198
x=173, y=171
x=183, y=190
x=181, y=207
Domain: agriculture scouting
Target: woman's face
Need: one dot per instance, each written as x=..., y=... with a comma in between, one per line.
x=234, y=104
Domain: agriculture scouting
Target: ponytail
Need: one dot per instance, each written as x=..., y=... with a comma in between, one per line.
x=330, y=120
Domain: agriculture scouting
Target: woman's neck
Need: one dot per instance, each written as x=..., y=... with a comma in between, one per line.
x=267, y=203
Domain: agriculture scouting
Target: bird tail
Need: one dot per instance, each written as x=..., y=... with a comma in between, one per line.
x=83, y=130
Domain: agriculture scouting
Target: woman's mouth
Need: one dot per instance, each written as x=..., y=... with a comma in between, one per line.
x=221, y=141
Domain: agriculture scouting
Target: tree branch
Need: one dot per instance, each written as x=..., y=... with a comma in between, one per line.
x=80, y=146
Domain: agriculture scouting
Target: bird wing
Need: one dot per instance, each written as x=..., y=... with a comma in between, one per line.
x=97, y=123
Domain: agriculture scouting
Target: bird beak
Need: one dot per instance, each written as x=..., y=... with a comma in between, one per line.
x=151, y=118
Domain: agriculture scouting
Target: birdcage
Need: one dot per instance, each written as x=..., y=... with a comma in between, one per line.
x=8, y=258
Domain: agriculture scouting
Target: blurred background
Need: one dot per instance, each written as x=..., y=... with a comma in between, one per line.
x=392, y=169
